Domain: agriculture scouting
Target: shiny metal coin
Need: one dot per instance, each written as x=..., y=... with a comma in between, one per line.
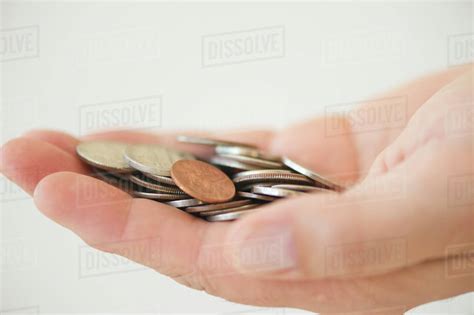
x=155, y=187
x=316, y=177
x=153, y=158
x=106, y=173
x=217, y=206
x=278, y=176
x=185, y=203
x=248, y=187
x=211, y=142
x=159, y=196
x=276, y=192
x=203, y=181
x=161, y=179
x=244, y=151
x=253, y=161
x=112, y=179
x=303, y=188
x=107, y=155
x=97, y=172
x=228, y=216
x=229, y=163
x=249, y=195
x=241, y=208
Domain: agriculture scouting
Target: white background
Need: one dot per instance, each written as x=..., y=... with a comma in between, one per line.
x=106, y=52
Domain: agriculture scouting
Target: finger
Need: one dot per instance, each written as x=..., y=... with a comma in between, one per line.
x=164, y=238
x=390, y=212
x=156, y=235
x=259, y=138
x=26, y=161
x=348, y=150
x=440, y=117
x=381, y=132
x=60, y=139
x=110, y=219
x=344, y=148
x=175, y=243
x=68, y=143
x=350, y=154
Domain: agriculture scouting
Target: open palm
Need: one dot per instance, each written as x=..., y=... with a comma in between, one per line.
x=313, y=252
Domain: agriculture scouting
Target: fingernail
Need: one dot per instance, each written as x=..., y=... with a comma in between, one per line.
x=263, y=249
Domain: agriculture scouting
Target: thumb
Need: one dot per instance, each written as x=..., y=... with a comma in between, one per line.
x=377, y=226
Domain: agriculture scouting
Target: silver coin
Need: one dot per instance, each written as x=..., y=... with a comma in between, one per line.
x=153, y=158
x=229, y=216
x=107, y=155
x=217, y=206
x=106, y=173
x=316, y=177
x=156, y=187
x=161, y=179
x=185, y=203
x=276, y=192
x=211, y=142
x=241, y=208
x=261, y=173
x=248, y=187
x=303, y=188
x=225, y=162
x=102, y=174
x=253, y=161
x=278, y=176
x=245, y=194
x=237, y=150
x=159, y=196
x=112, y=179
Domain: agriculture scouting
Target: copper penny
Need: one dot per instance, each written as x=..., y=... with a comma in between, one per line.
x=202, y=181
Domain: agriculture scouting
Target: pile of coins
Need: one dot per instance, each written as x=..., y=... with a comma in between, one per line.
x=233, y=182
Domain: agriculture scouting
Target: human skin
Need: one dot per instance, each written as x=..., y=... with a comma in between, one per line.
x=310, y=252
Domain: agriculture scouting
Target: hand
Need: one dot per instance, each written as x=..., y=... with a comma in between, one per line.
x=385, y=245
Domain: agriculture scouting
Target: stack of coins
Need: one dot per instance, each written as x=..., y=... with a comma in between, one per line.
x=233, y=182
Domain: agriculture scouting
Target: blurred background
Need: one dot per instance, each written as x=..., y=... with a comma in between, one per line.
x=83, y=67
